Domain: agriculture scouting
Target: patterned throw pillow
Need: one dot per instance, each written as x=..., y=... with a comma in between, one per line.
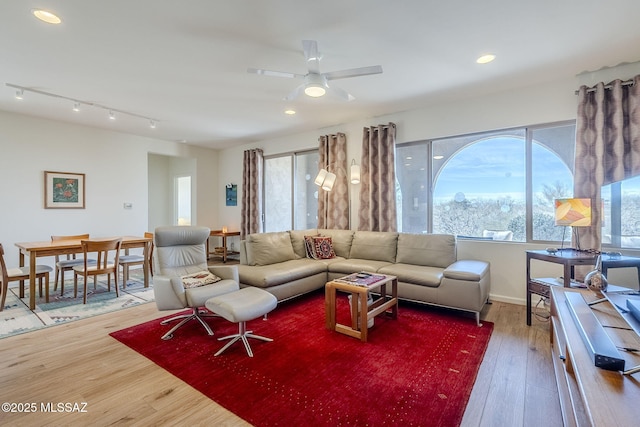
x=200, y=278
x=319, y=247
x=309, y=246
x=323, y=248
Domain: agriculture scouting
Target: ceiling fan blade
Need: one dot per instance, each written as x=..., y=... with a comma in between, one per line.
x=341, y=93
x=353, y=72
x=273, y=73
x=310, y=48
x=293, y=95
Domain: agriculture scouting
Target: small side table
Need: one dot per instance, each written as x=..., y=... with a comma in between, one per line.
x=569, y=258
x=223, y=235
x=619, y=262
x=359, y=299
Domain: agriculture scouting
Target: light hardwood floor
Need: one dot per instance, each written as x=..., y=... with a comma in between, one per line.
x=79, y=362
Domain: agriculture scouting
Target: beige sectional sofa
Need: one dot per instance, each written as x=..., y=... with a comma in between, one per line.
x=426, y=265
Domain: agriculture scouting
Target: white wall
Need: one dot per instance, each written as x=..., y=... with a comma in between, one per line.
x=116, y=168
x=551, y=102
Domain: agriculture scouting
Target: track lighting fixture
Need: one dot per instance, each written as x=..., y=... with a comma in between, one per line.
x=78, y=102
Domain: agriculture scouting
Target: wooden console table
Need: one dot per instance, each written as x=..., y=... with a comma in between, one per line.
x=591, y=396
x=569, y=258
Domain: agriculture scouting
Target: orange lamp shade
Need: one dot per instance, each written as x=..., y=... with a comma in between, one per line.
x=573, y=212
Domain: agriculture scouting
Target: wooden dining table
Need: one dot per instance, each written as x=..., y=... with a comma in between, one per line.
x=33, y=250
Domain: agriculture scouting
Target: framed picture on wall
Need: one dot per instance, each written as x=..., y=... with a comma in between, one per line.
x=63, y=190
x=232, y=195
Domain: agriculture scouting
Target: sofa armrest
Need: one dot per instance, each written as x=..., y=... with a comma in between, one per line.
x=471, y=270
x=226, y=272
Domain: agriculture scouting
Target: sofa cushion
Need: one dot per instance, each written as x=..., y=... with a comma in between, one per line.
x=269, y=248
x=351, y=265
x=374, y=245
x=297, y=241
x=415, y=274
x=341, y=240
x=277, y=274
x=434, y=250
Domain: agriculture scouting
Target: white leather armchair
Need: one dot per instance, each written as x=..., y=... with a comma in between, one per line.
x=179, y=251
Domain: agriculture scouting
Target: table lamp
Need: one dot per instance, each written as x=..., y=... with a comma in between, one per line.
x=574, y=212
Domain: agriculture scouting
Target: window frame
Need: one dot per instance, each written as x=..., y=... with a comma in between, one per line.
x=294, y=157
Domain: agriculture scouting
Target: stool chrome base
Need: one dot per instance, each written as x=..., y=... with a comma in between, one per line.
x=194, y=315
x=242, y=334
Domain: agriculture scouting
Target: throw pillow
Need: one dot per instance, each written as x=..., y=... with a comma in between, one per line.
x=323, y=248
x=309, y=246
x=200, y=278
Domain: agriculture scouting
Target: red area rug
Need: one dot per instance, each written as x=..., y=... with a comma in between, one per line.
x=416, y=370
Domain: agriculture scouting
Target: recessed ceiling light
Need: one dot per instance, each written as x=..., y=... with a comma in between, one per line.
x=438, y=157
x=290, y=112
x=46, y=16
x=484, y=59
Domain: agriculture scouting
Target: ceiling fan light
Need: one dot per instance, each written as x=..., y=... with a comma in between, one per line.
x=314, y=90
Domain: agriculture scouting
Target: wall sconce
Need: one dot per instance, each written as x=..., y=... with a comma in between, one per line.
x=355, y=172
x=327, y=179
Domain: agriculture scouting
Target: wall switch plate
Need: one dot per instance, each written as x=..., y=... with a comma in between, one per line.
x=128, y=205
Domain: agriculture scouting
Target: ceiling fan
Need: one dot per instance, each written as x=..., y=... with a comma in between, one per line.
x=316, y=83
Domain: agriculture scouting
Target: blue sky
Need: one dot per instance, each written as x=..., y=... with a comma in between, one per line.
x=497, y=166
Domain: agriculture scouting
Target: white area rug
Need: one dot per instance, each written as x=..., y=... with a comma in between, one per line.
x=16, y=318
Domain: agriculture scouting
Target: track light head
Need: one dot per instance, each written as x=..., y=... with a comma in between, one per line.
x=76, y=106
x=20, y=94
x=112, y=115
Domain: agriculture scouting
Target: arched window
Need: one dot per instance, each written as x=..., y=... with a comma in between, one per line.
x=495, y=185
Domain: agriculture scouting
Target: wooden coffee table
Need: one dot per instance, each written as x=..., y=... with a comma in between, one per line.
x=385, y=304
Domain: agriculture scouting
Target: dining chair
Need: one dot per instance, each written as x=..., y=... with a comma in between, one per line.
x=66, y=263
x=107, y=255
x=127, y=261
x=21, y=274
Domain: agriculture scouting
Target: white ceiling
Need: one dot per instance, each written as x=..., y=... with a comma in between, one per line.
x=184, y=63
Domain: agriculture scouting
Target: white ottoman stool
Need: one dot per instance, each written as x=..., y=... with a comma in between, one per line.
x=239, y=307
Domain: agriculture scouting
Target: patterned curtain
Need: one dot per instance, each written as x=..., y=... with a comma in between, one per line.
x=252, y=166
x=607, y=146
x=333, y=206
x=378, y=179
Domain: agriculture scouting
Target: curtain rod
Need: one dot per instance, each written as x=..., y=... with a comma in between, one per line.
x=608, y=86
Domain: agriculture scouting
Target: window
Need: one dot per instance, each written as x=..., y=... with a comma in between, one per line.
x=290, y=196
x=621, y=214
x=495, y=185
